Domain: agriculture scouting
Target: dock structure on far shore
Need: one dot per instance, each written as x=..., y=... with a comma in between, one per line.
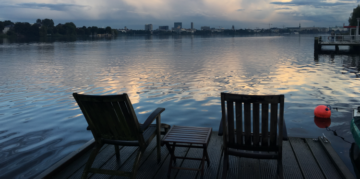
x=302, y=158
x=352, y=41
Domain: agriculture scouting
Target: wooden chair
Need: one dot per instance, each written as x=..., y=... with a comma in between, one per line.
x=112, y=120
x=249, y=130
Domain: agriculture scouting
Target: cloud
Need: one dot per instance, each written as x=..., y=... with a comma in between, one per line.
x=56, y=7
x=317, y=4
x=284, y=8
x=240, y=10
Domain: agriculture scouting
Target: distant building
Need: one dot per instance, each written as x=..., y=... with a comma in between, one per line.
x=178, y=25
x=148, y=27
x=164, y=27
x=192, y=25
x=337, y=29
x=274, y=30
x=233, y=28
x=205, y=28
x=319, y=29
x=294, y=29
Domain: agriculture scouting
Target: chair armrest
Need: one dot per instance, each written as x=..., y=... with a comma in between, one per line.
x=151, y=118
x=220, y=133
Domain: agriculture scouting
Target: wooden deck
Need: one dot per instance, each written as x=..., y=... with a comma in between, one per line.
x=302, y=158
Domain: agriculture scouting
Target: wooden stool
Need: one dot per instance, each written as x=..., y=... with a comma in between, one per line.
x=197, y=137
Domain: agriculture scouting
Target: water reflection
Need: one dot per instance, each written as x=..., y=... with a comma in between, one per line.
x=184, y=74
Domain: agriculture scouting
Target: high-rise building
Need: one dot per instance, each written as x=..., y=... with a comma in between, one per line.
x=178, y=25
x=164, y=27
x=148, y=27
x=192, y=25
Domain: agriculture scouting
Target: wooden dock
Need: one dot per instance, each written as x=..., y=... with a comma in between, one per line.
x=336, y=41
x=302, y=158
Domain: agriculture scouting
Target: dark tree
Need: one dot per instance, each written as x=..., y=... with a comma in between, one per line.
x=94, y=30
x=354, y=15
x=27, y=30
x=108, y=30
x=1, y=27
x=70, y=28
x=43, y=31
x=38, y=21
x=101, y=31
x=47, y=23
x=7, y=22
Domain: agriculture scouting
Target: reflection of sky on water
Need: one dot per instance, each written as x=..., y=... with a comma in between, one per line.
x=183, y=74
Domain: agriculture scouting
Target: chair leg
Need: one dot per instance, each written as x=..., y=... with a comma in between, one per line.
x=90, y=161
x=225, y=165
x=136, y=164
x=280, y=169
x=158, y=139
x=117, y=152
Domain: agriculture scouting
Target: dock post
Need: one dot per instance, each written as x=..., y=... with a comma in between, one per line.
x=336, y=48
x=316, y=46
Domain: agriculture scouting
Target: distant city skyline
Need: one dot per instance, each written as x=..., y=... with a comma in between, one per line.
x=135, y=14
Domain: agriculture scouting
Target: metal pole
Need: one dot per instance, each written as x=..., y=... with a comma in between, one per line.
x=357, y=28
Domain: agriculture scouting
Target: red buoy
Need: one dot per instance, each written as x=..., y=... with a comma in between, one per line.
x=322, y=111
x=322, y=122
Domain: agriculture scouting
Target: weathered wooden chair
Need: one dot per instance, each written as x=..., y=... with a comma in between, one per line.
x=247, y=131
x=112, y=120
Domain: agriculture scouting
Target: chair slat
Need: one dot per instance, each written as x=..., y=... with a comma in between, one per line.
x=264, y=123
x=239, y=123
x=93, y=113
x=230, y=115
x=256, y=132
x=273, y=123
x=127, y=131
x=247, y=123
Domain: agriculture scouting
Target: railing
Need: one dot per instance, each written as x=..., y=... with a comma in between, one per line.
x=340, y=38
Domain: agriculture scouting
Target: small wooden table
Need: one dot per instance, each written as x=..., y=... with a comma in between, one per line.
x=197, y=137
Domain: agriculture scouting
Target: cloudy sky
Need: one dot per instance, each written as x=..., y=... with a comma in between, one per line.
x=215, y=13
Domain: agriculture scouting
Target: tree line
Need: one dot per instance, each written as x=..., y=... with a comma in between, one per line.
x=45, y=27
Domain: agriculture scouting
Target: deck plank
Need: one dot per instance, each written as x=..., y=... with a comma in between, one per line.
x=290, y=165
x=78, y=165
x=232, y=172
x=214, y=151
x=268, y=168
x=101, y=159
x=113, y=163
x=298, y=158
x=149, y=156
x=162, y=172
x=325, y=163
x=249, y=168
x=305, y=159
x=150, y=167
x=195, y=164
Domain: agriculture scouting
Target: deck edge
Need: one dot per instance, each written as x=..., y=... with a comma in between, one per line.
x=66, y=160
x=339, y=164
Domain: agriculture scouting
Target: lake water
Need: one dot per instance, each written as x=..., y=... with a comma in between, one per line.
x=40, y=122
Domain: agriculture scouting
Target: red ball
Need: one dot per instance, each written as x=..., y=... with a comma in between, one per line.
x=322, y=111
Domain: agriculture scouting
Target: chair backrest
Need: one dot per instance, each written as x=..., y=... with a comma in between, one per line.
x=110, y=117
x=253, y=122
